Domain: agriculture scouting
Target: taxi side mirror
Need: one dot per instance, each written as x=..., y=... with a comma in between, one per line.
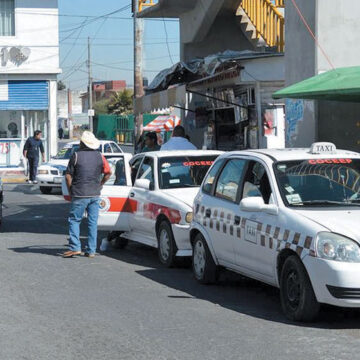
x=256, y=204
x=142, y=184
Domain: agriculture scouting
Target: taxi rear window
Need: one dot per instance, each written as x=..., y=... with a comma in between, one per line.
x=183, y=171
x=319, y=182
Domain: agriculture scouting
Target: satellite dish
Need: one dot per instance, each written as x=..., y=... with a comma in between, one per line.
x=14, y=54
x=4, y=55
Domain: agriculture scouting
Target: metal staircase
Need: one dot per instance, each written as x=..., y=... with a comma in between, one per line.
x=263, y=23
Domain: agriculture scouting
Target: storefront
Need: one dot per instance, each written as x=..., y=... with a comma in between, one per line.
x=24, y=108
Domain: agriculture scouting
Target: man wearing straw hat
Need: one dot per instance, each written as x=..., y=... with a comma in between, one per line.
x=86, y=173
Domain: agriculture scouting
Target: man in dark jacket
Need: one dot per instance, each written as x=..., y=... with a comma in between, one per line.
x=86, y=173
x=31, y=153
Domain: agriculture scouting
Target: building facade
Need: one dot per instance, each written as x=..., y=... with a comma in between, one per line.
x=335, y=25
x=229, y=108
x=29, y=65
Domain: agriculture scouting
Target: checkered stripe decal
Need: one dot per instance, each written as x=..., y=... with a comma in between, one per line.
x=272, y=237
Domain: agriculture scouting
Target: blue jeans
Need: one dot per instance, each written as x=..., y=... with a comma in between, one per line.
x=77, y=209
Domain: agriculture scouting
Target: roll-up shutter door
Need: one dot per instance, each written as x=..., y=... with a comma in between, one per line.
x=24, y=95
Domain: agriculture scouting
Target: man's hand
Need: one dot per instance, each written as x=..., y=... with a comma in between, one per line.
x=43, y=158
x=105, y=178
x=68, y=179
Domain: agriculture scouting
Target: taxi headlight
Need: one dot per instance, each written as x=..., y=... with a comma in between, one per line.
x=43, y=172
x=332, y=246
x=189, y=217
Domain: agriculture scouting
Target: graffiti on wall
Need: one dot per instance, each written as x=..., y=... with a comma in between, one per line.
x=294, y=115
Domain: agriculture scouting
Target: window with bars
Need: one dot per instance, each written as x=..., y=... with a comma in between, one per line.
x=7, y=17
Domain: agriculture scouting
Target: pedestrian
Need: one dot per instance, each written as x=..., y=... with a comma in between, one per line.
x=151, y=142
x=61, y=133
x=178, y=141
x=84, y=181
x=31, y=153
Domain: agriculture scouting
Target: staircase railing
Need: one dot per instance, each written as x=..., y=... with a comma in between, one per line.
x=280, y=3
x=268, y=21
x=144, y=4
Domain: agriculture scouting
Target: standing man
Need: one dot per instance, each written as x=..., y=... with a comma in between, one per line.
x=86, y=173
x=31, y=153
x=178, y=141
x=61, y=133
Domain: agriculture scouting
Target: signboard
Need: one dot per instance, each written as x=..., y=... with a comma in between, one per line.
x=91, y=112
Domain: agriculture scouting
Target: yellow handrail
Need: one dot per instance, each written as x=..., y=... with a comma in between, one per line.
x=268, y=21
x=144, y=4
x=280, y=3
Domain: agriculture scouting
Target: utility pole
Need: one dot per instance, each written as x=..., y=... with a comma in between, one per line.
x=138, y=76
x=90, y=111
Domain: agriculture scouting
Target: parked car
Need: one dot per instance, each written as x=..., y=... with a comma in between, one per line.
x=151, y=203
x=288, y=218
x=51, y=173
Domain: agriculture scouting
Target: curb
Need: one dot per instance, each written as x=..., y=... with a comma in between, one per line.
x=14, y=180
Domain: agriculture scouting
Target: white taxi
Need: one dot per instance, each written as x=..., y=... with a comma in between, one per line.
x=153, y=204
x=50, y=174
x=288, y=218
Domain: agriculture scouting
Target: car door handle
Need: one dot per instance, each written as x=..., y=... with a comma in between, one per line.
x=208, y=213
x=132, y=194
x=237, y=220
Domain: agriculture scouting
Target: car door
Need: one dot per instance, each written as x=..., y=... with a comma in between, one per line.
x=116, y=208
x=143, y=222
x=221, y=210
x=256, y=248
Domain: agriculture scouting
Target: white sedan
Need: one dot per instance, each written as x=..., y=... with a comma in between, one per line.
x=288, y=218
x=50, y=174
x=150, y=200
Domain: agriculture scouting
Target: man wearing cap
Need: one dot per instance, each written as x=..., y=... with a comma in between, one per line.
x=86, y=173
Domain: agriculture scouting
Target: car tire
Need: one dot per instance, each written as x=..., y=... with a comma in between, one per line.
x=166, y=245
x=204, y=268
x=120, y=243
x=45, y=190
x=297, y=296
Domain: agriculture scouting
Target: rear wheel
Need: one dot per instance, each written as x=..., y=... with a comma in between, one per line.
x=204, y=268
x=120, y=243
x=45, y=189
x=166, y=245
x=297, y=296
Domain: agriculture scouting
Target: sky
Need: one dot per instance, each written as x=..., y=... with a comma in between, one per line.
x=111, y=42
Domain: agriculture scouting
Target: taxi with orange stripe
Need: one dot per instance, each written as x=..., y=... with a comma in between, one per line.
x=150, y=197
x=289, y=218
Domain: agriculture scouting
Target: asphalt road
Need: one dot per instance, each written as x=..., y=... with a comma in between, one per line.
x=124, y=305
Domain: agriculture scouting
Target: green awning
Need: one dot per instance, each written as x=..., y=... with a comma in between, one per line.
x=341, y=84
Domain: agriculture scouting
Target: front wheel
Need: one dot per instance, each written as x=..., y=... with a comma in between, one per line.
x=45, y=189
x=166, y=245
x=297, y=296
x=204, y=268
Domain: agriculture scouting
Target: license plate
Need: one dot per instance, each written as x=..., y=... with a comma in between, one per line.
x=58, y=180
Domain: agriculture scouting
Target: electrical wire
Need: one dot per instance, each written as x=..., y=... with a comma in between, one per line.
x=167, y=42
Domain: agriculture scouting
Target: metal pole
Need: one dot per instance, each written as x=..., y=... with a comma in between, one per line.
x=138, y=77
x=90, y=87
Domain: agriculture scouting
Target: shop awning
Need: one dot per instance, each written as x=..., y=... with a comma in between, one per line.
x=341, y=84
x=174, y=96
x=163, y=123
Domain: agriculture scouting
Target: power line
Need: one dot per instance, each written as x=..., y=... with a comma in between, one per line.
x=123, y=69
x=167, y=42
x=124, y=44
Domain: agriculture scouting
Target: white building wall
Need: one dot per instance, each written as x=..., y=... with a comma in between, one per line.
x=36, y=29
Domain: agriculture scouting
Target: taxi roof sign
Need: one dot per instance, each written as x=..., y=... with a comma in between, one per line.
x=323, y=148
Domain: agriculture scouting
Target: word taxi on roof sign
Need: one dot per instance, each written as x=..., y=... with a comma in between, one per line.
x=323, y=148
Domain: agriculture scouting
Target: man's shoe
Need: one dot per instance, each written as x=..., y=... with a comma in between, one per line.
x=30, y=182
x=91, y=256
x=69, y=254
x=35, y=182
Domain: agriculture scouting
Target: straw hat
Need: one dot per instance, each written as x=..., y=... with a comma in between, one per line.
x=89, y=139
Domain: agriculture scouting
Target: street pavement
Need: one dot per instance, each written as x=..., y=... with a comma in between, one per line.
x=124, y=305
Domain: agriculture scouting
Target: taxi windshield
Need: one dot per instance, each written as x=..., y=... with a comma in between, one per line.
x=184, y=171
x=319, y=182
x=66, y=152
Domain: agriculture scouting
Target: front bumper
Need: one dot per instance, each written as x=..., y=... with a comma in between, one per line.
x=182, y=239
x=49, y=180
x=335, y=283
